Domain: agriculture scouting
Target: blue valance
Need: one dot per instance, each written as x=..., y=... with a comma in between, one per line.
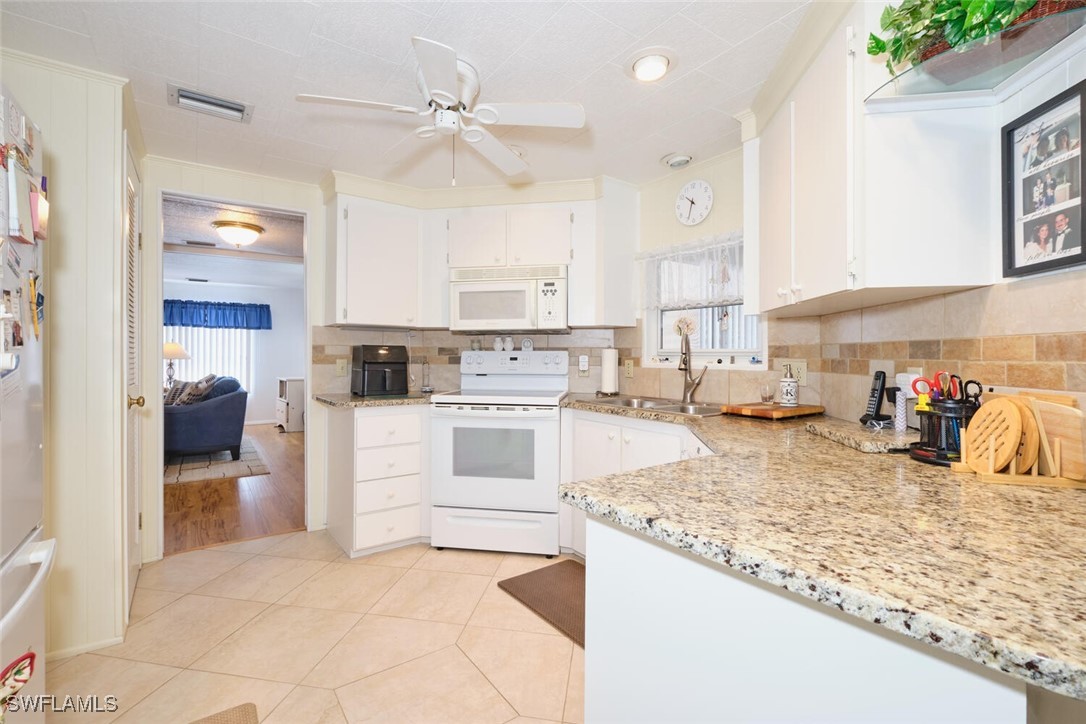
x=230, y=315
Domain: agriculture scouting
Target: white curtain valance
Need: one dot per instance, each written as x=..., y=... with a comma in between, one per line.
x=707, y=272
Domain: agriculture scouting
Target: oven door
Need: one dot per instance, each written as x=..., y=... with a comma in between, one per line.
x=502, y=305
x=495, y=457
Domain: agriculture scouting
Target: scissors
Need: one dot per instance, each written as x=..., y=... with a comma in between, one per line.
x=968, y=391
x=941, y=384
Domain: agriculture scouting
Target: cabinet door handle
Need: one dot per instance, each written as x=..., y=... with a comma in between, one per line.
x=410, y=319
x=497, y=259
x=796, y=288
x=391, y=495
x=391, y=528
x=392, y=463
x=782, y=292
x=516, y=258
x=391, y=431
x=610, y=436
x=626, y=439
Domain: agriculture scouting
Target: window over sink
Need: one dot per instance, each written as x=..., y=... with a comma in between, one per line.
x=699, y=285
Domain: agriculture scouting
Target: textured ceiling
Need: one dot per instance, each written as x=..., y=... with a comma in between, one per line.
x=266, y=53
x=186, y=219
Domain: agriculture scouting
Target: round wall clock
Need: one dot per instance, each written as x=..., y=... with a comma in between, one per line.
x=693, y=203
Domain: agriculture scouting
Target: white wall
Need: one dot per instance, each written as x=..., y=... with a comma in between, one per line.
x=660, y=227
x=277, y=352
x=80, y=114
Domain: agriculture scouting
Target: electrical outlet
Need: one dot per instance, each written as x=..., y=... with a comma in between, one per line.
x=799, y=370
x=341, y=368
x=627, y=365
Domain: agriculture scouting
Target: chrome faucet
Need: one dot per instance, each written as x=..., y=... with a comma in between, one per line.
x=690, y=383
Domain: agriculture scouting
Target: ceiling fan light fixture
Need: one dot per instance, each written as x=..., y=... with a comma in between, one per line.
x=472, y=134
x=238, y=233
x=676, y=160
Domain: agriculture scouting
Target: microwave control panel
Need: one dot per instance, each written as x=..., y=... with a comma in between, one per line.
x=551, y=303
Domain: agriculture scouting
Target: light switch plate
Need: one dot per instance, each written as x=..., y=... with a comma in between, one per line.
x=341, y=368
x=582, y=365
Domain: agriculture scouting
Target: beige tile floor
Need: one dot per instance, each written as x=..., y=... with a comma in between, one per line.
x=311, y=637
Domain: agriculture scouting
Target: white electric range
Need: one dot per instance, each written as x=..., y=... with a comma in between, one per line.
x=496, y=449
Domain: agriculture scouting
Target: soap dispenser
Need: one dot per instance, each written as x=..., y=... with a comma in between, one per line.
x=789, y=388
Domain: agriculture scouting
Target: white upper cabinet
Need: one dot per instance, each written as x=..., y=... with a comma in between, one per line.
x=539, y=235
x=522, y=235
x=375, y=265
x=477, y=237
x=775, y=212
x=848, y=199
x=803, y=203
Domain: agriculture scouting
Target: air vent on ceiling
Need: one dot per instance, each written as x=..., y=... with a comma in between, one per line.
x=203, y=103
x=209, y=244
x=190, y=279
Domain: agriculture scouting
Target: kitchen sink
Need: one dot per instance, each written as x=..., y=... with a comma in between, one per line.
x=658, y=404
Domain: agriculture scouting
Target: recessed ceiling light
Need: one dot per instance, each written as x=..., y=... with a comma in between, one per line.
x=650, y=64
x=676, y=160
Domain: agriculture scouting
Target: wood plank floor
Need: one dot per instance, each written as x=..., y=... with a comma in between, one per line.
x=227, y=510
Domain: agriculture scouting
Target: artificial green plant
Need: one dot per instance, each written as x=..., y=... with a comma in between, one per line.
x=914, y=25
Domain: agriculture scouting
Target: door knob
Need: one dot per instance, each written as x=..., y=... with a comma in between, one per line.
x=137, y=401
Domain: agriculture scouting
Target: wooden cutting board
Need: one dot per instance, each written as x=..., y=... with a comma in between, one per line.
x=1069, y=425
x=772, y=411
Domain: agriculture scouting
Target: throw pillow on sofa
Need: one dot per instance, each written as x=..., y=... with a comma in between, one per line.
x=174, y=393
x=195, y=392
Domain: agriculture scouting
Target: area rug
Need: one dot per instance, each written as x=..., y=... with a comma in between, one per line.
x=556, y=594
x=242, y=714
x=192, y=468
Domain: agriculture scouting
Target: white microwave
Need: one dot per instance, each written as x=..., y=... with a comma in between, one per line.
x=508, y=299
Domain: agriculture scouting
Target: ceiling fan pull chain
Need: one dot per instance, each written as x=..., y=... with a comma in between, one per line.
x=454, y=161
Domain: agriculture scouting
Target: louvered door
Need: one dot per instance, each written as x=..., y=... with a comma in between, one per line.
x=133, y=554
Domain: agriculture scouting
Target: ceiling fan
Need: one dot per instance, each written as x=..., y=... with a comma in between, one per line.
x=449, y=87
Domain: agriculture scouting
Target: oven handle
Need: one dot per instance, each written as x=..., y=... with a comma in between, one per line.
x=478, y=414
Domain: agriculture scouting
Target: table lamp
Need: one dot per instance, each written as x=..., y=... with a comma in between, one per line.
x=172, y=351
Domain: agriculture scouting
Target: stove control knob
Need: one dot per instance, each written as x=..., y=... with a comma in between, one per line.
x=546, y=359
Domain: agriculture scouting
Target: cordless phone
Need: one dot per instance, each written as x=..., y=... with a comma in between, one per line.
x=874, y=400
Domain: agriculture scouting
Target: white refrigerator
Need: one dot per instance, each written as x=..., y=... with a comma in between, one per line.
x=25, y=557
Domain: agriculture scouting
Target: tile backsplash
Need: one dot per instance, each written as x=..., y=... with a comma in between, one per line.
x=1026, y=334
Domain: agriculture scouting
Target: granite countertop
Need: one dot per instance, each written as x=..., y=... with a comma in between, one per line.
x=993, y=573
x=340, y=399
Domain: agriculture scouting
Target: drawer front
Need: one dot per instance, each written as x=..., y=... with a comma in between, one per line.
x=387, y=430
x=387, y=462
x=388, y=526
x=374, y=495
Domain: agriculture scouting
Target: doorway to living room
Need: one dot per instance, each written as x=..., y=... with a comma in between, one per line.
x=233, y=372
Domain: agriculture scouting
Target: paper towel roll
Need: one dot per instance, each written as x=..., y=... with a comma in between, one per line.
x=609, y=378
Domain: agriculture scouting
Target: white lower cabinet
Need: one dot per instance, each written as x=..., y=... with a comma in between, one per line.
x=606, y=444
x=378, y=476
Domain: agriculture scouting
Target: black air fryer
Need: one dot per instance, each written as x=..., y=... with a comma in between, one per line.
x=379, y=370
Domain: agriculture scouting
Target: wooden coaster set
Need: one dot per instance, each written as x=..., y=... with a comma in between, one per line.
x=1026, y=439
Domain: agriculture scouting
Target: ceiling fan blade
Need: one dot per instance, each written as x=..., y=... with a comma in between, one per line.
x=495, y=151
x=554, y=115
x=354, y=102
x=438, y=65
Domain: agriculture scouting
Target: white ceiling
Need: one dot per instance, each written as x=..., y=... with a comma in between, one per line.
x=266, y=53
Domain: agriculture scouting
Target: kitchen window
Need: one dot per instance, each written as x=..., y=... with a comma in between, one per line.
x=701, y=283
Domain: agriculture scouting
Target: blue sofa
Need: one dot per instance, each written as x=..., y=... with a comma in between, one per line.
x=214, y=423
